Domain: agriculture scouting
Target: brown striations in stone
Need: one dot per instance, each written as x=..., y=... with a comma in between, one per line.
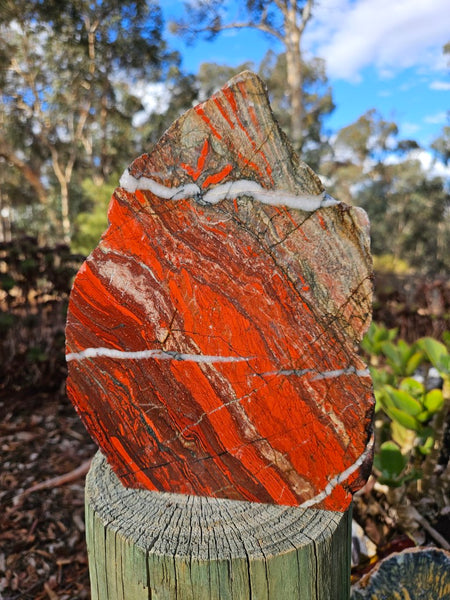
x=212, y=334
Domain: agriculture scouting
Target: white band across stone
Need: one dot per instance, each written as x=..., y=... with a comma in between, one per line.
x=229, y=191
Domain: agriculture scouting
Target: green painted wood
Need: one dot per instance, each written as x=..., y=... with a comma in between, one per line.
x=158, y=546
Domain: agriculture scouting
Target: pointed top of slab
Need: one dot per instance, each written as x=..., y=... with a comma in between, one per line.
x=237, y=119
x=211, y=335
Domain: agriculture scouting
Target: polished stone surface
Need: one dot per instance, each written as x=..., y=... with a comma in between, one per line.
x=212, y=335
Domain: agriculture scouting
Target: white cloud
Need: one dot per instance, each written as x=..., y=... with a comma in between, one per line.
x=432, y=166
x=429, y=163
x=155, y=98
x=443, y=86
x=388, y=34
x=409, y=128
x=436, y=119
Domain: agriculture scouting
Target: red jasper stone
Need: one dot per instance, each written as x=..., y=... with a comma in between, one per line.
x=212, y=334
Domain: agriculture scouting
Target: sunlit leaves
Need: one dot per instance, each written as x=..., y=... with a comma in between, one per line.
x=401, y=393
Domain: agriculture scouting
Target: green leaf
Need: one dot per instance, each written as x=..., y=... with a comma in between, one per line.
x=427, y=446
x=375, y=337
x=390, y=461
x=413, y=362
x=383, y=399
x=404, y=401
x=437, y=354
x=391, y=352
x=379, y=400
x=405, y=438
x=6, y=282
x=380, y=377
x=434, y=401
x=401, y=357
x=423, y=416
x=404, y=419
x=413, y=387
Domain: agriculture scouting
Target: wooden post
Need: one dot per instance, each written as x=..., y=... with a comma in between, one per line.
x=149, y=545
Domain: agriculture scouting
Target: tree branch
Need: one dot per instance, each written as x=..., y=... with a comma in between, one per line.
x=262, y=26
x=265, y=27
x=30, y=175
x=283, y=7
x=306, y=15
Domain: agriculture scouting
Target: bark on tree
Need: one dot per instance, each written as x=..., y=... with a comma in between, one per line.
x=295, y=18
x=33, y=178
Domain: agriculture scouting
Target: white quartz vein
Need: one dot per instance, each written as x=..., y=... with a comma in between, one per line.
x=156, y=354
x=319, y=375
x=205, y=358
x=230, y=190
x=341, y=477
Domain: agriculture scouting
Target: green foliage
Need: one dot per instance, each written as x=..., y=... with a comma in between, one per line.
x=66, y=109
x=437, y=354
x=441, y=145
x=410, y=404
x=407, y=204
x=72, y=88
x=401, y=357
x=376, y=336
x=183, y=91
x=211, y=76
x=91, y=224
x=388, y=263
x=391, y=464
x=407, y=403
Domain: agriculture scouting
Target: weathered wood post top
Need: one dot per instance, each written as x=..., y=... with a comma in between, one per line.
x=212, y=335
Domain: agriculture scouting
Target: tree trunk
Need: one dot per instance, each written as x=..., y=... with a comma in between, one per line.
x=294, y=68
x=33, y=178
x=65, y=217
x=294, y=28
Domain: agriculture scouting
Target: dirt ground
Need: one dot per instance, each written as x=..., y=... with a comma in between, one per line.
x=42, y=543
x=42, y=539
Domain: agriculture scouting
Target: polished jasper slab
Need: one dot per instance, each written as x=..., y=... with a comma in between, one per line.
x=212, y=334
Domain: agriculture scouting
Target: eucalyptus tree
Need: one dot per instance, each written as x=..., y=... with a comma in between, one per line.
x=67, y=96
x=283, y=20
x=406, y=200
x=317, y=102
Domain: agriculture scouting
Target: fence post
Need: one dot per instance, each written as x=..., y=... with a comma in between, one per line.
x=146, y=545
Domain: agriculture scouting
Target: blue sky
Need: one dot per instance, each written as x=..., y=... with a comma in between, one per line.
x=383, y=54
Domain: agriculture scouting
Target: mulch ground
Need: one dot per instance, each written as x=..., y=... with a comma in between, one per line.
x=42, y=538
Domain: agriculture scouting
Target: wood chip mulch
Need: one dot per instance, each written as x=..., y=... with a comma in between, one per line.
x=42, y=538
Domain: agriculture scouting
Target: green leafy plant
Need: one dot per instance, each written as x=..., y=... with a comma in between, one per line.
x=392, y=465
x=375, y=338
x=437, y=354
x=409, y=408
x=403, y=358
